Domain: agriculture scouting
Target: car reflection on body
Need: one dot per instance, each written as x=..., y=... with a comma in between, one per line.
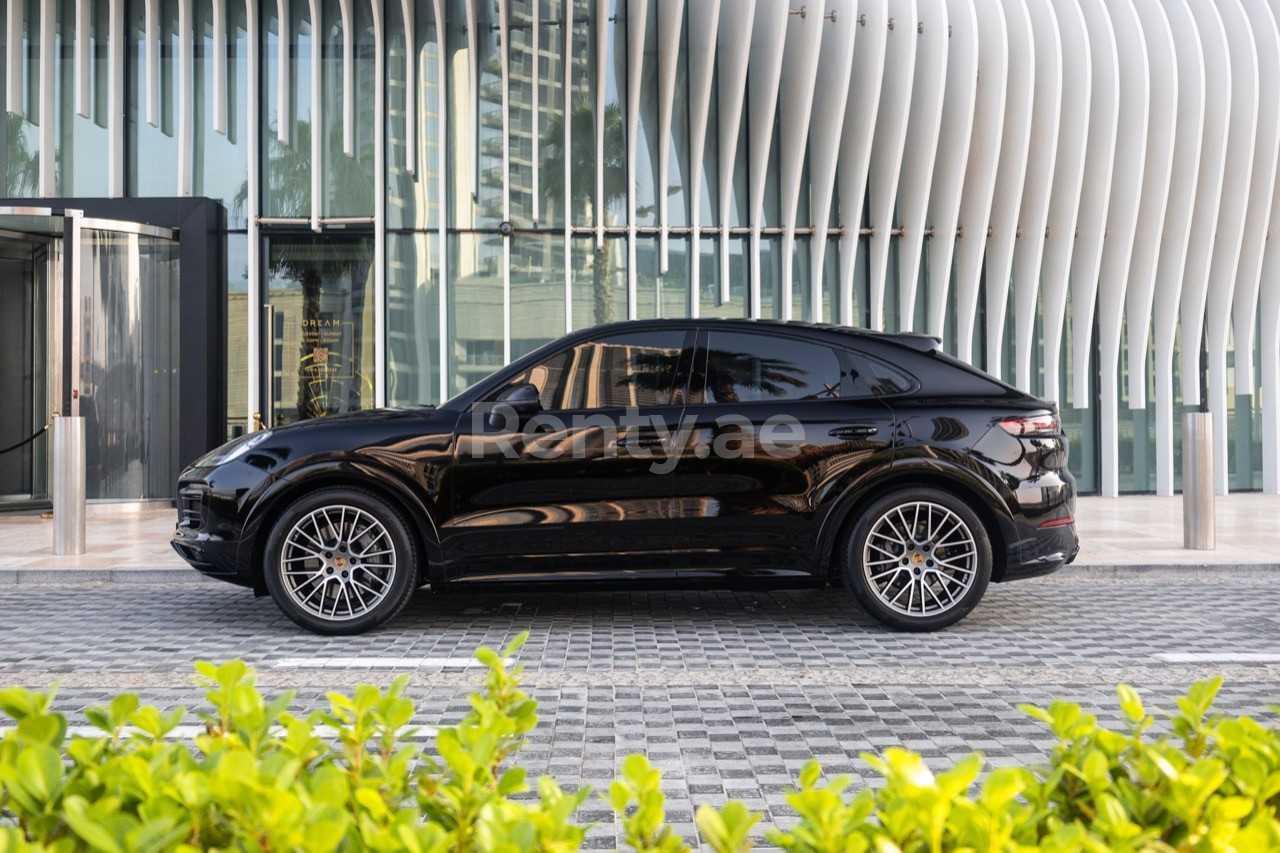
x=702, y=452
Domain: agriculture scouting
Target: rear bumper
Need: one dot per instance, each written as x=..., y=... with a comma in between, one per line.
x=1040, y=551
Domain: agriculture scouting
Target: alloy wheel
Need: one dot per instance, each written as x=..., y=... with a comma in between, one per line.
x=920, y=558
x=338, y=562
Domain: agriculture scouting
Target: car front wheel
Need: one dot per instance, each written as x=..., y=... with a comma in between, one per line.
x=918, y=559
x=340, y=561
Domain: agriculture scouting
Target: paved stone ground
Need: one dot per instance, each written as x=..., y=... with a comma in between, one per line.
x=728, y=692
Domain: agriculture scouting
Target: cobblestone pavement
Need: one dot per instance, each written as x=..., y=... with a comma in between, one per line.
x=728, y=692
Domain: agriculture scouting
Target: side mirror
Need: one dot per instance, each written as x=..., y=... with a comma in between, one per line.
x=522, y=399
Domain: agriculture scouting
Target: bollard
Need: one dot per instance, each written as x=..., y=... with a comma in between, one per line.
x=68, y=486
x=1197, y=481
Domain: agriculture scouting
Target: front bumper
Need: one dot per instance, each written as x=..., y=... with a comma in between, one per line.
x=207, y=536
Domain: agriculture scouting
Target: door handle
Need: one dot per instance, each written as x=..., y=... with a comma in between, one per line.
x=853, y=431
x=642, y=441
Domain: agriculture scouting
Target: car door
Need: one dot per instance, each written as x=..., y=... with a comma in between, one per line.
x=581, y=485
x=777, y=425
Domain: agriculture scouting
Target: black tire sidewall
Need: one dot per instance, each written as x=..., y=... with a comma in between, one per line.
x=858, y=586
x=402, y=584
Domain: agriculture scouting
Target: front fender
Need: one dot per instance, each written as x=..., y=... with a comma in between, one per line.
x=356, y=472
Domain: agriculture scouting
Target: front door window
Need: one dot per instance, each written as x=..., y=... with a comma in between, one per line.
x=319, y=326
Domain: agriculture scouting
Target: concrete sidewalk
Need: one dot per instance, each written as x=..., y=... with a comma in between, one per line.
x=1136, y=534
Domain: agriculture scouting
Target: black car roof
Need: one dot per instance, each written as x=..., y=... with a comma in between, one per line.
x=918, y=342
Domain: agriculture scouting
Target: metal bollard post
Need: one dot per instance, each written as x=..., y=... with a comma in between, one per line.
x=1197, y=481
x=68, y=486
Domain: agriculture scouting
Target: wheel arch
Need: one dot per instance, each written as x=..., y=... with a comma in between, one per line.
x=979, y=496
x=384, y=484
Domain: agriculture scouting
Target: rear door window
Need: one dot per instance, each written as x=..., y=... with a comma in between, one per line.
x=746, y=367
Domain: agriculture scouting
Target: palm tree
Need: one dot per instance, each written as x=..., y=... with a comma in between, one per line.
x=23, y=163
x=582, y=189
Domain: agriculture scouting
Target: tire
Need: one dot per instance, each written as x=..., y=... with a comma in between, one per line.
x=330, y=583
x=921, y=546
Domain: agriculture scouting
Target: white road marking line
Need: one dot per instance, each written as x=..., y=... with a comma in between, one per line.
x=376, y=663
x=1219, y=657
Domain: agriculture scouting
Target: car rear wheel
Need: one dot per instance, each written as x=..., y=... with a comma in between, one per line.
x=918, y=559
x=340, y=561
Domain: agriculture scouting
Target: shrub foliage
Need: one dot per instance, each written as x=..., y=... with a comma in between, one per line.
x=354, y=777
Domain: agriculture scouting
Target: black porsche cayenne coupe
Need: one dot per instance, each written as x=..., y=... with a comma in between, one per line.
x=708, y=452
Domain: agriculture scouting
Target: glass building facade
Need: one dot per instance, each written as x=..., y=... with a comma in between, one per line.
x=416, y=192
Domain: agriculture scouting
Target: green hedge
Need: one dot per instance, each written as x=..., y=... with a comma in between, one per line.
x=261, y=778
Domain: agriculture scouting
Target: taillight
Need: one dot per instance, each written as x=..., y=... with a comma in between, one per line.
x=1032, y=426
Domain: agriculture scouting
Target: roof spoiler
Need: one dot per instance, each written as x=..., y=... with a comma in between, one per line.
x=918, y=342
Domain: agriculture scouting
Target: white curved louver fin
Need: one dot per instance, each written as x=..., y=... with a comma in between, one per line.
x=1208, y=199
x=952, y=156
x=253, y=243
x=704, y=22
x=1241, y=140
x=442, y=161
x=1068, y=181
x=116, y=48
x=796, y=91
x=186, y=129
x=637, y=23
x=380, y=208
x=220, y=66
x=348, y=76
x=1261, y=193
x=670, y=21
x=1153, y=209
x=1122, y=220
x=826, y=120
x=1172, y=263
x=768, y=39
x=1095, y=194
x=82, y=46
x=737, y=24
x=151, y=32
x=980, y=172
x=48, y=105
x=534, y=21
x=410, y=83
x=888, y=147
x=1033, y=217
x=602, y=52
x=473, y=90
x=865, y=84
x=284, y=112
x=1015, y=148
x=923, y=124
x=1269, y=349
x=13, y=59
x=317, y=118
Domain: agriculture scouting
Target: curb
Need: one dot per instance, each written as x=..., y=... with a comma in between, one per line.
x=1102, y=571
x=80, y=575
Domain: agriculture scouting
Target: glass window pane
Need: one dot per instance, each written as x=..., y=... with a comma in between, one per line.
x=153, y=148
x=348, y=176
x=475, y=308
x=286, y=166
x=414, y=194
x=238, y=308
x=537, y=291
x=599, y=281
x=413, y=319
x=476, y=150
x=582, y=122
x=221, y=159
x=709, y=273
x=20, y=154
x=81, y=142
x=321, y=290
x=742, y=367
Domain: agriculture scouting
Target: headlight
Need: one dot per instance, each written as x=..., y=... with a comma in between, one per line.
x=233, y=449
